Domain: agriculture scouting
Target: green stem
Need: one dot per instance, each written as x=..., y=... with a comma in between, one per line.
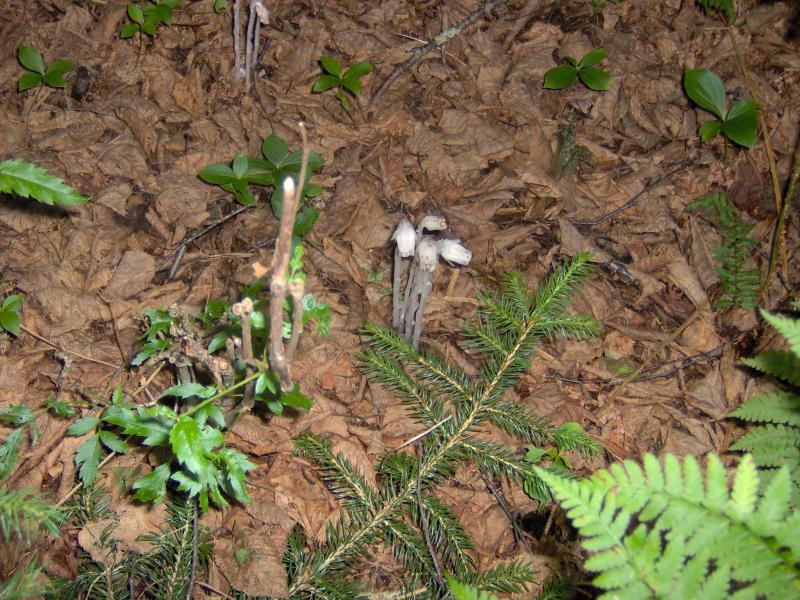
x=223, y=393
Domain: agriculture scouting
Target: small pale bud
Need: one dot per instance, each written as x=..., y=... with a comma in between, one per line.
x=454, y=252
x=432, y=223
x=428, y=256
x=406, y=238
x=288, y=187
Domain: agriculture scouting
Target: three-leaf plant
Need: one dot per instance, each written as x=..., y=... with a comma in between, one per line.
x=276, y=165
x=593, y=77
x=38, y=74
x=347, y=81
x=147, y=18
x=739, y=124
x=29, y=181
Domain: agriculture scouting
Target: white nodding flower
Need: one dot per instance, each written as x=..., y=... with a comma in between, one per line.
x=288, y=187
x=432, y=223
x=454, y=252
x=262, y=12
x=406, y=238
x=427, y=254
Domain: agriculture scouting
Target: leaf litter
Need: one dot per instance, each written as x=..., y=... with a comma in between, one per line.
x=468, y=132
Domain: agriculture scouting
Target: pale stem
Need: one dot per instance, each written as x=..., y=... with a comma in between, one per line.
x=296, y=289
x=425, y=289
x=397, y=309
x=237, y=42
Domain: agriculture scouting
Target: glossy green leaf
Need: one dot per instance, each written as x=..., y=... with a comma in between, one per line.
x=240, y=166
x=187, y=444
x=12, y=302
x=9, y=321
x=705, y=88
x=129, y=30
x=331, y=65
x=29, y=80
x=274, y=149
x=113, y=442
x=220, y=5
x=60, y=408
x=709, y=129
x=325, y=82
x=16, y=414
x=741, y=124
x=342, y=98
x=275, y=406
x=266, y=381
x=296, y=399
x=54, y=77
x=595, y=79
x=151, y=24
x=153, y=486
x=559, y=78
x=83, y=426
x=358, y=69
x=88, y=459
x=352, y=84
x=593, y=57
x=190, y=390
x=217, y=174
x=31, y=59
x=305, y=221
x=135, y=13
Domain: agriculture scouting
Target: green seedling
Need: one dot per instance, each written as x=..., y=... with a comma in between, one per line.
x=29, y=181
x=147, y=18
x=594, y=78
x=739, y=124
x=349, y=81
x=38, y=74
x=9, y=314
x=723, y=6
x=463, y=591
x=269, y=170
x=220, y=5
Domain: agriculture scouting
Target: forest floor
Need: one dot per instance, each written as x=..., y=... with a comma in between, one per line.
x=468, y=133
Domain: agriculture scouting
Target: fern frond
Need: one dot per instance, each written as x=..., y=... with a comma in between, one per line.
x=781, y=365
x=29, y=181
x=22, y=513
x=771, y=407
x=716, y=539
x=771, y=445
x=789, y=328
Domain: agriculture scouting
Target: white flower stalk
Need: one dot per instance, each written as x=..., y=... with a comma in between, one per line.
x=405, y=239
x=427, y=259
x=454, y=252
x=431, y=223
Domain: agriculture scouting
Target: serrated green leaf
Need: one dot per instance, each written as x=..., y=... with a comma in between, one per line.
x=31, y=59
x=83, y=426
x=88, y=459
x=325, y=82
x=60, y=408
x=28, y=81
x=593, y=57
x=16, y=414
x=266, y=381
x=595, y=79
x=29, y=181
x=787, y=327
x=187, y=444
x=331, y=65
x=153, y=486
x=705, y=88
x=191, y=390
x=113, y=442
x=296, y=399
x=559, y=78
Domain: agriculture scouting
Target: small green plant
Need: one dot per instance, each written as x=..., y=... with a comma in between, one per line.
x=347, y=81
x=592, y=77
x=220, y=5
x=463, y=591
x=38, y=74
x=723, y=6
x=739, y=124
x=29, y=181
x=739, y=285
x=661, y=532
x=147, y=18
x=774, y=438
x=275, y=165
x=24, y=419
x=9, y=314
x=569, y=154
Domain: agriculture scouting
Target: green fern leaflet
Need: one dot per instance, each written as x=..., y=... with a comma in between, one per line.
x=661, y=532
x=29, y=181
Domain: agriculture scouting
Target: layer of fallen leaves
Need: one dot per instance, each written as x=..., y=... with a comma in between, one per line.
x=469, y=133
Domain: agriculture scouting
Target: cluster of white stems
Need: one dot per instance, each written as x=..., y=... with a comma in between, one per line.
x=258, y=15
x=425, y=252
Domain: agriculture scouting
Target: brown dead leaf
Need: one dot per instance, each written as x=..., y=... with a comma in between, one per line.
x=259, y=570
x=133, y=274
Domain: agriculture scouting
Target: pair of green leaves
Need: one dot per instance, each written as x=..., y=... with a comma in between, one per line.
x=276, y=165
x=594, y=78
x=147, y=18
x=739, y=124
x=9, y=314
x=30, y=181
x=343, y=81
x=38, y=74
x=23, y=417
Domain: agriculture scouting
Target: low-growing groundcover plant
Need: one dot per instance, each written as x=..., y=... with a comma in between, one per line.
x=52, y=75
x=739, y=124
x=739, y=284
x=592, y=77
x=453, y=409
x=146, y=18
x=345, y=82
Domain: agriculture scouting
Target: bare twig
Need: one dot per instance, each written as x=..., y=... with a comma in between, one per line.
x=242, y=310
x=437, y=42
x=518, y=533
x=280, y=265
x=66, y=350
x=237, y=43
